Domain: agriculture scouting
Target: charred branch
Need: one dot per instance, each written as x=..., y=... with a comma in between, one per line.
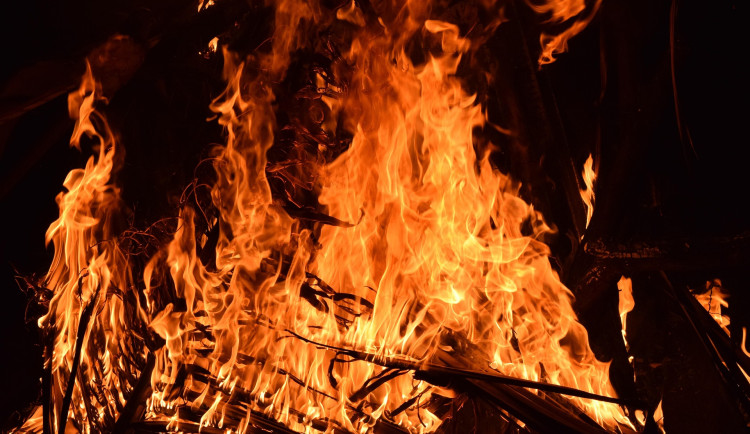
x=83, y=326
x=729, y=360
x=523, y=405
x=136, y=403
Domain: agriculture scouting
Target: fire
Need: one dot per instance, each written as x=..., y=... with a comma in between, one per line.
x=563, y=11
x=91, y=309
x=625, y=304
x=213, y=44
x=713, y=300
x=587, y=194
x=659, y=416
x=743, y=347
x=203, y=5
x=317, y=326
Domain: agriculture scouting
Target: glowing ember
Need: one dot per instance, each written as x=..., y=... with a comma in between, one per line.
x=318, y=326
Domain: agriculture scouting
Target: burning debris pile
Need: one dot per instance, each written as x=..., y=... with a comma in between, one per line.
x=350, y=259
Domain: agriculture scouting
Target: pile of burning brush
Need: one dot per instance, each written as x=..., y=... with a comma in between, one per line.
x=348, y=260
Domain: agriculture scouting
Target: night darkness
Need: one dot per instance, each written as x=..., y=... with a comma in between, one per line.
x=670, y=209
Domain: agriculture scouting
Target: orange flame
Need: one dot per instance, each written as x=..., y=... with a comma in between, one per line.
x=435, y=247
x=659, y=416
x=562, y=11
x=625, y=303
x=713, y=300
x=89, y=272
x=743, y=347
x=587, y=194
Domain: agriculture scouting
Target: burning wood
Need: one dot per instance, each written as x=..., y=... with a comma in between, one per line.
x=714, y=299
x=350, y=263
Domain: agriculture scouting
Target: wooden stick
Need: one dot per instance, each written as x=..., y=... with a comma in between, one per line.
x=82, y=328
x=137, y=397
x=434, y=371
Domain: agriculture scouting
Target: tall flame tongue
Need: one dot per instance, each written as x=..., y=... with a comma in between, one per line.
x=89, y=321
x=435, y=247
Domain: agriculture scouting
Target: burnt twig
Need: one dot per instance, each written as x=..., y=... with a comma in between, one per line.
x=47, y=384
x=82, y=327
x=723, y=353
x=429, y=371
x=137, y=397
